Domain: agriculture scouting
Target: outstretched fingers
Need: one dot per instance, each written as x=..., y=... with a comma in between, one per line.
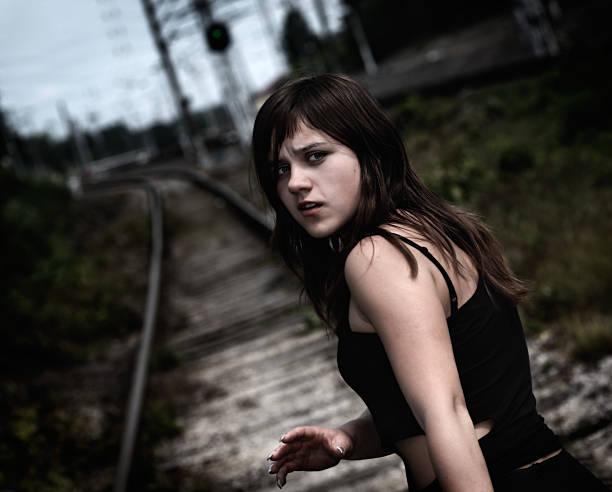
x=309, y=449
x=278, y=463
x=286, y=468
x=283, y=450
x=297, y=434
x=286, y=457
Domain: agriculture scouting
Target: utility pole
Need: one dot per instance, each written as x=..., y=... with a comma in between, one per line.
x=362, y=43
x=99, y=142
x=80, y=144
x=6, y=133
x=266, y=16
x=272, y=31
x=534, y=18
x=322, y=14
x=329, y=50
x=192, y=146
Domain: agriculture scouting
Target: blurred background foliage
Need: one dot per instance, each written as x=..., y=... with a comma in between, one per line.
x=62, y=287
x=400, y=24
x=389, y=26
x=534, y=158
x=73, y=282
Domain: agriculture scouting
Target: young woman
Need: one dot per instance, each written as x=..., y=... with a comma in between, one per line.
x=419, y=296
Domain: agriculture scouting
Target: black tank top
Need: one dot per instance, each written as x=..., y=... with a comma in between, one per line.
x=493, y=364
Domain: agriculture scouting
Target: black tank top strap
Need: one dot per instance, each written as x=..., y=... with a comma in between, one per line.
x=451, y=288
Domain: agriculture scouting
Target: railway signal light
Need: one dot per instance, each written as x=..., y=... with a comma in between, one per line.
x=217, y=36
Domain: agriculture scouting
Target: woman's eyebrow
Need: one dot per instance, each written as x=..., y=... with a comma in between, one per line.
x=308, y=147
x=302, y=150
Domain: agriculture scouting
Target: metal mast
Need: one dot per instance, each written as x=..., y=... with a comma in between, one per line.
x=193, y=147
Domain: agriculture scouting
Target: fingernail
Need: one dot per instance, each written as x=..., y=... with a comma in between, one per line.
x=282, y=437
x=339, y=448
x=278, y=484
x=270, y=469
x=269, y=457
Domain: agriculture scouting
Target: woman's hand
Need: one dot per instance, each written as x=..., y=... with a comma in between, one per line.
x=308, y=449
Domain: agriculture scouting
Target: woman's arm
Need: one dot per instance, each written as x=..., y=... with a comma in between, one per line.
x=365, y=442
x=408, y=314
x=319, y=448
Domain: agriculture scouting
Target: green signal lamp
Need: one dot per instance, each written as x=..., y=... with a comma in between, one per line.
x=217, y=36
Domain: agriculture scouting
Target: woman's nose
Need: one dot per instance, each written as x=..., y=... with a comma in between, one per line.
x=298, y=180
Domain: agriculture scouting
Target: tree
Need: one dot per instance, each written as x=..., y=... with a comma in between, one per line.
x=300, y=43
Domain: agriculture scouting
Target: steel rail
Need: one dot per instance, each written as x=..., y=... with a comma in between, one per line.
x=259, y=221
x=142, y=362
x=252, y=216
x=139, y=378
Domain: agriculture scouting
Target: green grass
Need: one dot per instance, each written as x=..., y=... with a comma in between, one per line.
x=534, y=158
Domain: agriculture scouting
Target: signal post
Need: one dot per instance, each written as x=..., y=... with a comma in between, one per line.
x=236, y=97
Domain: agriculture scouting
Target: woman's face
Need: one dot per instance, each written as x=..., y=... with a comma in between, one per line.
x=318, y=181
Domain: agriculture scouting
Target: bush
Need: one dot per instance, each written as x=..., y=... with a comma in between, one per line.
x=55, y=298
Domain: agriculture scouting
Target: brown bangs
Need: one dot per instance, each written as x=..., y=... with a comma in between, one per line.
x=285, y=126
x=275, y=122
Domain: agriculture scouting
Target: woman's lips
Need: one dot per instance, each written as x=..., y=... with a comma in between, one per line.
x=309, y=208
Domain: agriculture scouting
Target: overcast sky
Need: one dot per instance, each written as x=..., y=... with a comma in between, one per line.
x=98, y=57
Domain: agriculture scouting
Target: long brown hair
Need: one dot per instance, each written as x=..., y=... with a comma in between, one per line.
x=391, y=192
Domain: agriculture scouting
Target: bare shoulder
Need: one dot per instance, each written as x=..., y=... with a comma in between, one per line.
x=373, y=256
x=386, y=290
x=378, y=250
x=376, y=264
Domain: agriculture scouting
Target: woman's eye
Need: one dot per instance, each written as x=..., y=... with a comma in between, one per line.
x=282, y=169
x=316, y=156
